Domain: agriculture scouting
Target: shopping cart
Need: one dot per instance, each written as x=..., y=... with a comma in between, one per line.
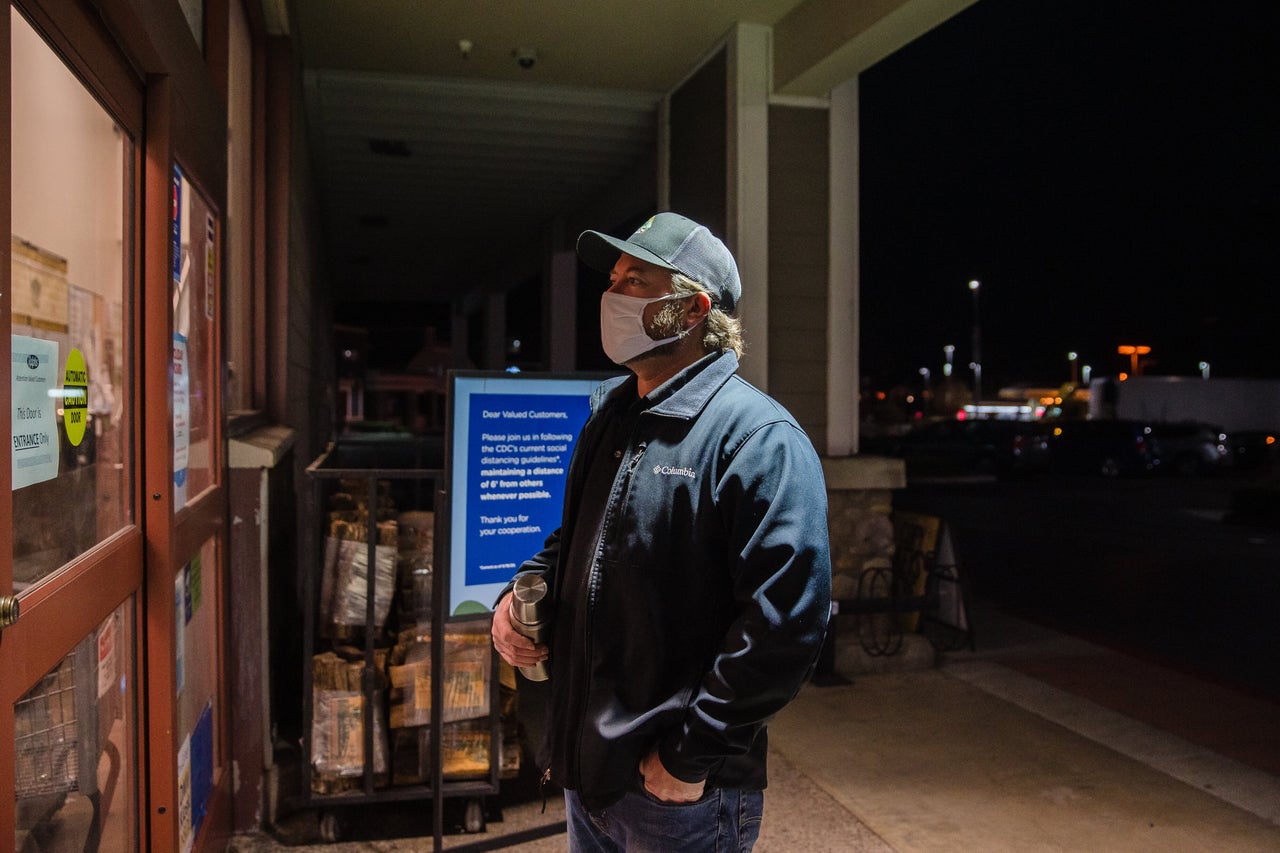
x=56, y=741
x=47, y=736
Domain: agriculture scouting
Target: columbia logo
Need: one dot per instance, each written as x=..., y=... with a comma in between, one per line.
x=667, y=470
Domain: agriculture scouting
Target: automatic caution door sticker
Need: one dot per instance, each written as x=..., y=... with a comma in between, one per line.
x=75, y=397
x=34, y=384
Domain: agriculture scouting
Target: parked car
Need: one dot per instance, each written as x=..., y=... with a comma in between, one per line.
x=1254, y=449
x=1110, y=448
x=1192, y=448
x=985, y=447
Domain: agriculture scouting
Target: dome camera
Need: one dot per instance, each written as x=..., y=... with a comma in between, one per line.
x=526, y=57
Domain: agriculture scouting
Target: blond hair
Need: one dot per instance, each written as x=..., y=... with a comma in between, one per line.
x=721, y=330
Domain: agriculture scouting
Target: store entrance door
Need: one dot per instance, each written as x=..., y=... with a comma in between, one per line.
x=71, y=563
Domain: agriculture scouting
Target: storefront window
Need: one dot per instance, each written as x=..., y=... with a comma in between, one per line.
x=75, y=747
x=69, y=375
x=195, y=602
x=195, y=305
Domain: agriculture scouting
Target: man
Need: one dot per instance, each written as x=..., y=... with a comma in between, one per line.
x=691, y=577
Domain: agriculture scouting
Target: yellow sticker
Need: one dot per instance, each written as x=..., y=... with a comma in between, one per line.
x=75, y=397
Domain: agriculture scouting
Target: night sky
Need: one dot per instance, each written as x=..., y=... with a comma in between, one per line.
x=1108, y=169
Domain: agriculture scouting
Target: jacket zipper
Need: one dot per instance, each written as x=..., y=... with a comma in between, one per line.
x=623, y=477
x=542, y=787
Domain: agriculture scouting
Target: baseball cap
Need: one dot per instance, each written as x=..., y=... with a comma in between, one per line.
x=676, y=243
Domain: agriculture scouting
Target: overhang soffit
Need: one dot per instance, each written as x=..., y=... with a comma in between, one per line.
x=822, y=43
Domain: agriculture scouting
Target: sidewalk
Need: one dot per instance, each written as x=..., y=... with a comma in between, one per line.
x=1036, y=741
x=1033, y=743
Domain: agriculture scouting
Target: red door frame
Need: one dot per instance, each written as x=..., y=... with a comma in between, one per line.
x=185, y=122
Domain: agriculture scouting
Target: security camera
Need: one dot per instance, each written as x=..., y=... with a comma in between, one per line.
x=526, y=57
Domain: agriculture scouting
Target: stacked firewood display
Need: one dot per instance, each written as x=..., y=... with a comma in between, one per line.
x=416, y=557
x=337, y=721
x=402, y=672
x=345, y=583
x=466, y=733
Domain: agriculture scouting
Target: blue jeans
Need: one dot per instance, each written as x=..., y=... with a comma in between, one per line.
x=723, y=821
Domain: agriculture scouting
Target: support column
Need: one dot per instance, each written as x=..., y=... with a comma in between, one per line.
x=843, y=344
x=495, y=331
x=459, y=339
x=747, y=187
x=562, y=328
x=663, y=166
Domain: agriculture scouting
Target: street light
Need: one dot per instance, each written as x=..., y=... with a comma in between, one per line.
x=974, y=284
x=1085, y=373
x=1204, y=370
x=949, y=351
x=1071, y=357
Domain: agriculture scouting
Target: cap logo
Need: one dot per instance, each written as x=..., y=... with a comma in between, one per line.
x=646, y=226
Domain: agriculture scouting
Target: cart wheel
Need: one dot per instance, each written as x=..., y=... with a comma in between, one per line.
x=308, y=826
x=474, y=817
x=330, y=828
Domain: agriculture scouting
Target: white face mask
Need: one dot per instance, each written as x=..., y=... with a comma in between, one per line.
x=622, y=329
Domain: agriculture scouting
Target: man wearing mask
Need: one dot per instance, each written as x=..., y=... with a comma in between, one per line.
x=690, y=578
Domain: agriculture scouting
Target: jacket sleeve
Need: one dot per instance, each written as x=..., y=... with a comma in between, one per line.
x=544, y=562
x=773, y=503
x=540, y=563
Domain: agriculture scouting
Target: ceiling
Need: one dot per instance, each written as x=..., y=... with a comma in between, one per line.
x=436, y=164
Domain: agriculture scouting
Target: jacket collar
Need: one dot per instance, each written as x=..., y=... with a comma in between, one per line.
x=686, y=394
x=682, y=396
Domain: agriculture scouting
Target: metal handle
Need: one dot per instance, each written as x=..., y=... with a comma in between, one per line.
x=9, y=611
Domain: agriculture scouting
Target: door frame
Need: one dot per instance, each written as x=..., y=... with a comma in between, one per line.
x=174, y=537
x=138, y=59
x=67, y=606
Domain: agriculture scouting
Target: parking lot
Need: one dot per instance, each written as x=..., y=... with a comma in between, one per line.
x=1151, y=565
x=1107, y=447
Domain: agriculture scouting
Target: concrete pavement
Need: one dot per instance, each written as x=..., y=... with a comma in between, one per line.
x=1035, y=741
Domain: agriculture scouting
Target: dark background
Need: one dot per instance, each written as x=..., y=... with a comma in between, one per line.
x=1106, y=168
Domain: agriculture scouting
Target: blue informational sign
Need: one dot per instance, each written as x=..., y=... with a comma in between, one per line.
x=512, y=438
x=176, y=248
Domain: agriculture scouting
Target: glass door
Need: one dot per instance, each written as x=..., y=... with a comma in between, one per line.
x=71, y=564
x=187, y=679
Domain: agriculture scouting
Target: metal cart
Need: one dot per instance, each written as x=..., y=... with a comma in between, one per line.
x=57, y=746
x=400, y=469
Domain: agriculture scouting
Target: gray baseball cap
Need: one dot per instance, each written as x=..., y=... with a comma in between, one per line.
x=677, y=243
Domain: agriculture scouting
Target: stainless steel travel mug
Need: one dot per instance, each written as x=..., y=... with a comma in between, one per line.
x=530, y=616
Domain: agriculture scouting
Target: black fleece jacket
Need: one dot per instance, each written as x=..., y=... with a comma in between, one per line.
x=706, y=602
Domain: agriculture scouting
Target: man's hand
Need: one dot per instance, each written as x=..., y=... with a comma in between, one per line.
x=664, y=786
x=515, y=648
